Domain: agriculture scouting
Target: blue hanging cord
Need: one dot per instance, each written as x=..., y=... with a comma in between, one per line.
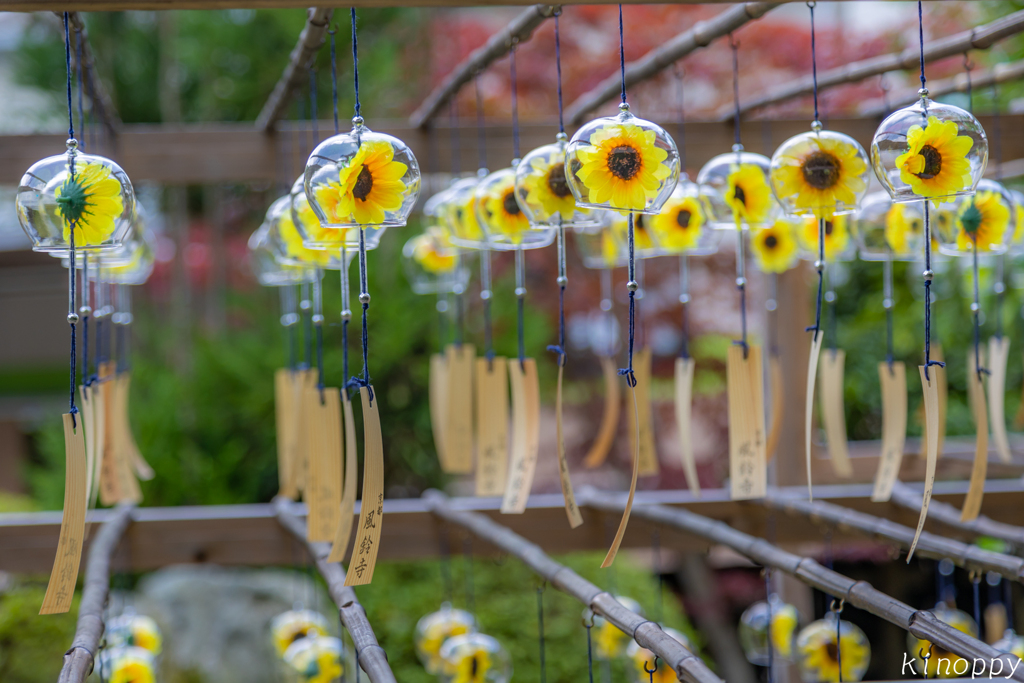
x=515, y=101
x=558, y=71
x=684, y=299
x=355, y=62
x=681, y=128
x=72, y=269
x=768, y=601
x=632, y=286
x=622, y=56
x=314, y=126
x=920, y=33
x=819, y=265
x=453, y=118
x=540, y=633
x=306, y=306
x=481, y=134
x=520, y=305
x=975, y=578
x=735, y=47
x=334, y=79
x=81, y=82
x=589, y=624
x=814, y=62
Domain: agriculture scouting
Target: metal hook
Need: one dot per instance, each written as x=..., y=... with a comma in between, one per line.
x=837, y=606
x=588, y=621
x=650, y=672
x=811, y=4
x=733, y=43
x=968, y=64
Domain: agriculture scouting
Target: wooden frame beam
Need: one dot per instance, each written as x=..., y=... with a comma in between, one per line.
x=80, y=657
x=102, y=105
x=860, y=594
x=946, y=514
x=369, y=654
x=310, y=41
x=687, y=665
x=651, y=64
x=497, y=46
x=979, y=38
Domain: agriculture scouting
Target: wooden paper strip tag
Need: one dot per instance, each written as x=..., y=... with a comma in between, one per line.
x=439, y=406
x=942, y=386
x=894, y=428
x=61, y=588
x=324, y=487
x=364, y=554
x=1018, y=419
x=643, y=415
x=684, y=411
x=930, y=387
x=621, y=531
x=833, y=412
x=99, y=423
x=343, y=534
x=491, y=378
x=130, y=491
x=111, y=492
x=303, y=427
x=284, y=416
x=998, y=356
x=812, y=370
x=525, y=434
x=748, y=470
x=572, y=511
x=138, y=463
x=87, y=416
x=609, y=419
x=976, y=491
x=778, y=404
x=458, y=432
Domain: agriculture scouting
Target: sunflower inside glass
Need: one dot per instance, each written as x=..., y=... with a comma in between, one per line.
x=136, y=630
x=544, y=192
x=935, y=164
x=679, y=224
x=643, y=660
x=818, y=655
x=747, y=194
x=294, y=625
x=775, y=247
x=622, y=167
x=498, y=210
x=318, y=659
x=837, y=236
x=90, y=199
x=474, y=658
x=432, y=253
x=459, y=211
x=435, y=628
x=128, y=665
x=819, y=173
x=942, y=663
x=756, y=634
x=644, y=245
x=982, y=221
x=903, y=230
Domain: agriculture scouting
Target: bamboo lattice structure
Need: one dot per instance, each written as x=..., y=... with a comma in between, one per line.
x=922, y=624
x=688, y=666
x=78, y=660
x=369, y=654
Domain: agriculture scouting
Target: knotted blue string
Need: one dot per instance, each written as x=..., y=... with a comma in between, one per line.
x=558, y=71
x=355, y=62
x=628, y=370
x=72, y=274
x=515, y=102
x=559, y=348
x=334, y=80
x=814, y=62
x=622, y=55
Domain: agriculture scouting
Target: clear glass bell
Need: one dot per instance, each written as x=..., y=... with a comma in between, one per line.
x=950, y=616
x=134, y=630
x=435, y=628
x=97, y=197
x=818, y=655
x=644, y=244
x=314, y=235
x=984, y=221
x=642, y=659
x=682, y=226
x=1010, y=642
x=776, y=247
x=287, y=244
x=1016, y=245
x=293, y=625
x=885, y=228
x=362, y=178
x=460, y=213
x=819, y=173
x=474, y=658
x=269, y=271
x=622, y=163
x=501, y=218
x=435, y=206
x=736, y=191
x=432, y=264
x=135, y=271
x=930, y=151
x=608, y=641
x=543, y=191
x=755, y=631
x=839, y=242
x=318, y=659
x=600, y=250
x=127, y=664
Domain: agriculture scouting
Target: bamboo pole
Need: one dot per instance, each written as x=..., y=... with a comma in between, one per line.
x=78, y=660
x=102, y=105
x=310, y=40
x=922, y=624
x=497, y=46
x=687, y=665
x=369, y=654
x=979, y=38
x=1000, y=73
x=930, y=545
x=906, y=497
x=651, y=64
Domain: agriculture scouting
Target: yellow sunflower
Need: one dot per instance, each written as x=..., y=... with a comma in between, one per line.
x=92, y=201
x=943, y=224
x=982, y=221
x=609, y=641
x=748, y=194
x=503, y=212
x=315, y=232
x=371, y=184
x=837, y=235
x=462, y=218
x=775, y=247
x=611, y=249
x=134, y=630
x=902, y=228
x=942, y=663
x=431, y=254
x=1018, y=229
x=820, y=174
x=678, y=225
x=645, y=658
x=324, y=668
x=642, y=240
x=816, y=648
x=131, y=670
x=936, y=165
x=622, y=166
x=785, y=620
x=294, y=246
x=433, y=638
x=547, y=188
x=472, y=666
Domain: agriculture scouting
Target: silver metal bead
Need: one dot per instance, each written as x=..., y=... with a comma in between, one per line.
x=515, y=162
x=73, y=318
x=817, y=126
x=458, y=289
x=606, y=305
x=305, y=305
x=85, y=310
x=71, y=144
x=442, y=306
x=127, y=318
x=624, y=107
x=999, y=288
x=830, y=296
x=520, y=292
x=289, y=319
x=562, y=281
x=482, y=173
x=819, y=265
x=684, y=298
x=318, y=319
x=770, y=305
x=562, y=137
x=886, y=304
x=485, y=295
x=632, y=285
x=357, y=121
x=737, y=147
x=928, y=275
x=741, y=282
x=974, y=307
x=923, y=92
x=364, y=297
x=346, y=314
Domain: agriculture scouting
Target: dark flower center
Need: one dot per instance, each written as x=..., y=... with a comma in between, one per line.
x=828, y=228
x=971, y=220
x=683, y=218
x=739, y=195
x=475, y=667
x=72, y=201
x=821, y=170
x=638, y=221
x=624, y=162
x=364, y=183
x=509, y=202
x=832, y=651
x=771, y=241
x=557, y=183
x=932, y=163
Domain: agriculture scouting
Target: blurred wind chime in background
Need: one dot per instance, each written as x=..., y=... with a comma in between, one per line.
x=81, y=208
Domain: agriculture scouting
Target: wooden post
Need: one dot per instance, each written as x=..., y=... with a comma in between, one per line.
x=78, y=660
